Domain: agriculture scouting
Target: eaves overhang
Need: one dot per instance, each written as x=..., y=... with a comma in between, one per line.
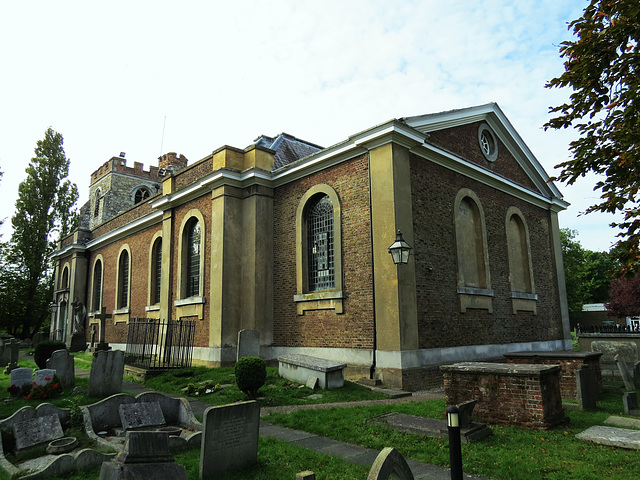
x=126, y=230
x=73, y=249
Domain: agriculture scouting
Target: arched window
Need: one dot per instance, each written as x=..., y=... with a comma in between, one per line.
x=520, y=267
x=123, y=280
x=474, y=280
x=64, y=284
x=193, y=237
x=156, y=270
x=141, y=194
x=320, y=252
x=96, y=297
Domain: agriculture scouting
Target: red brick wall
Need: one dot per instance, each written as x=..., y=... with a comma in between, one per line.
x=440, y=322
x=529, y=400
x=325, y=328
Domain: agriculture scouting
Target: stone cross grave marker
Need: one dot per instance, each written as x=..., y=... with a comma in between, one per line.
x=103, y=316
x=62, y=362
x=43, y=377
x=107, y=369
x=629, y=384
x=35, y=431
x=248, y=344
x=21, y=377
x=139, y=415
x=229, y=439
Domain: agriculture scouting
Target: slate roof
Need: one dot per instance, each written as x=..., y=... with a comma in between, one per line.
x=287, y=147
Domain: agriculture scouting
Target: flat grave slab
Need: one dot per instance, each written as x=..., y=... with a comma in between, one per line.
x=623, y=422
x=141, y=415
x=612, y=436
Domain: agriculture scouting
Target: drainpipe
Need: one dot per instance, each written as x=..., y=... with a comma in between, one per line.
x=372, y=369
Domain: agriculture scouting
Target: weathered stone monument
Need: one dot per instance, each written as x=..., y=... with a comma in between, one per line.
x=62, y=362
x=103, y=316
x=230, y=439
x=107, y=369
x=43, y=376
x=627, y=378
x=13, y=347
x=36, y=432
x=586, y=390
x=21, y=377
x=145, y=455
x=248, y=344
x=141, y=415
x=390, y=464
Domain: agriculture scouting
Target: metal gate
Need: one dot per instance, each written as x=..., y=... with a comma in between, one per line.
x=154, y=344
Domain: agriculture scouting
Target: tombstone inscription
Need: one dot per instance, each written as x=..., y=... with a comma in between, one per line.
x=21, y=377
x=230, y=439
x=139, y=415
x=43, y=377
x=62, y=362
x=36, y=431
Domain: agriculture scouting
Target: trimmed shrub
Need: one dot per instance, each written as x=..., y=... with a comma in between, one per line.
x=44, y=350
x=251, y=373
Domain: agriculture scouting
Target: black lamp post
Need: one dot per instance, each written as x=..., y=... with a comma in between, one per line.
x=399, y=250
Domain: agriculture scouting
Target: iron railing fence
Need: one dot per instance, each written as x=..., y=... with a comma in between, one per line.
x=621, y=329
x=155, y=344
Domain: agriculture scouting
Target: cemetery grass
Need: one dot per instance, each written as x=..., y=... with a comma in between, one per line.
x=511, y=453
x=276, y=391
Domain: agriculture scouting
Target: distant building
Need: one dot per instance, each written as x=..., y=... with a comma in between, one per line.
x=290, y=239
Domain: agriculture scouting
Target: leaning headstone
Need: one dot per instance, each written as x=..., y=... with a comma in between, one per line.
x=229, y=439
x=312, y=383
x=36, y=431
x=248, y=344
x=107, y=369
x=62, y=362
x=465, y=411
x=43, y=377
x=629, y=384
x=21, y=377
x=390, y=464
x=145, y=455
x=140, y=415
x=14, y=350
x=587, y=395
x=630, y=403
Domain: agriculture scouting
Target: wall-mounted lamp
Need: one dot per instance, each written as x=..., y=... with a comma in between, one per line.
x=399, y=250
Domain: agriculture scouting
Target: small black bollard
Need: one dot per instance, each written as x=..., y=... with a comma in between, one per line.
x=455, y=446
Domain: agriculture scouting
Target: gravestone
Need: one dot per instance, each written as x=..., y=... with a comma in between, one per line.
x=145, y=455
x=62, y=362
x=4, y=354
x=587, y=394
x=13, y=346
x=21, y=377
x=43, y=377
x=627, y=378
x=36, y=431
x=306, y=475
x=139, y=415
x=37, y=338
x=390, y=464
x=78, y=342
x=465, y=411
x=107, y=369
x=103, y=316
x=229, y=439
x=630, y=403
x=248, y=344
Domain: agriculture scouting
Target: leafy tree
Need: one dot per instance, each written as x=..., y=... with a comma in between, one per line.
x=625, y=297
x=44, y=209
x=587, y=273
x=602, y=67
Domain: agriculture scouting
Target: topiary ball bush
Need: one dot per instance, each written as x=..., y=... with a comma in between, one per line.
x=251, y=373
x=44, y=350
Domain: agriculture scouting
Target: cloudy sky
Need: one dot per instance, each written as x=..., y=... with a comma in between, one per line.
x=149, y=77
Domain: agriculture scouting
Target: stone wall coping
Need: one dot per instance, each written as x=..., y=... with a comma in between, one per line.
x=313, y=363
x=513, y=369
x=560, y=354
x=609, y=335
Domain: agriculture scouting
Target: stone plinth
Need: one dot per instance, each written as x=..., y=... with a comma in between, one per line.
x=569, y=362
x=507, y=393
x=300, y=368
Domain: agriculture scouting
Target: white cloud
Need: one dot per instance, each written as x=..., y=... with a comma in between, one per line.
x=107, y=75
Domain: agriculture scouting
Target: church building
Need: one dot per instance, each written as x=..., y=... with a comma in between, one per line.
x=292, y=240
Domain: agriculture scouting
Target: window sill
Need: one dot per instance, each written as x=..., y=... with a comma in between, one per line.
x=190, y=307
x=188, y=301
x=524, y=302
x=152, y=308
x=121, y=315
x=321, y=300
x=475, y=299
